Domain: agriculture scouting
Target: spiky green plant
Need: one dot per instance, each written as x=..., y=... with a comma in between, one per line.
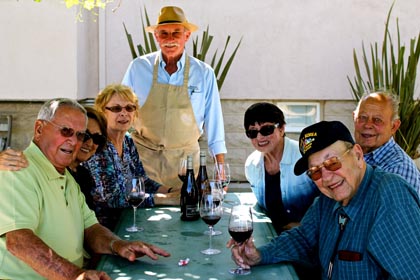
x=386, y=70
x=200, y=49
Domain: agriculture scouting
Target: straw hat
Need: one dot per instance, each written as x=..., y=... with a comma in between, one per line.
x=172, y=15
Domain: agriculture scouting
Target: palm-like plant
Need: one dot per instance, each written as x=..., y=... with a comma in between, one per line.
x=200, y=49
x=387, y=71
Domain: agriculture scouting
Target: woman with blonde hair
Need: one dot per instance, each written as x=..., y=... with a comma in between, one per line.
x=119, y=159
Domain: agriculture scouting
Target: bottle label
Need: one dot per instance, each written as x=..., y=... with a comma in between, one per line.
x=191, y=211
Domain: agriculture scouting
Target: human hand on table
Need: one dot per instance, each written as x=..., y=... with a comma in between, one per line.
x=171, y=198
x=246, y=254
x=12, y=160
x=132, y=250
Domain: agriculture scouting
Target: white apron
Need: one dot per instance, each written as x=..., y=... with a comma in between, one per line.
x=166, y=130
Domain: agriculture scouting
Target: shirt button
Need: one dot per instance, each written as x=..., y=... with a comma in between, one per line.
x=288, y=211
x=62, y=187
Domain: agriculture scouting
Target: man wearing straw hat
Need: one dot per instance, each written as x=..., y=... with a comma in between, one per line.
x=179, y=99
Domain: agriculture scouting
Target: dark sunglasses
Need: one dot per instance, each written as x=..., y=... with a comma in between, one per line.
x=331, y=164
x=68, y=132
x=116, y=109
x=97, y=138
x=265, y=130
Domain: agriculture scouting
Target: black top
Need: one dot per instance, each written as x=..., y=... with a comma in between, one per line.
x=274, y=202
x=107, y=217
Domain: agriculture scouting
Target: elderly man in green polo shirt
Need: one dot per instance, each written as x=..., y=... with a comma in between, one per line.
x=44, y=220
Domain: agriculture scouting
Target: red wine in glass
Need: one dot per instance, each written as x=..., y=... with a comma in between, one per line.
x=240, y=228
x=182, y=177
x=135, y=194
x=211, y=220
x=211, y=214
x=240, y=235
x=135, y=199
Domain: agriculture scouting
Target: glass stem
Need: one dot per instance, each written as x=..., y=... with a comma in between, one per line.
x=134, y=216
x=211, y=235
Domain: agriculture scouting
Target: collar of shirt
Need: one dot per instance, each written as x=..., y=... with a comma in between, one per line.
x=37, y=155
x=180, y=63
x=376, y=156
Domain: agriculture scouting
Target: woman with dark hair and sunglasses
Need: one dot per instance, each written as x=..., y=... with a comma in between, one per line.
x=269, y=169
x=119, y=159
x=94, y=141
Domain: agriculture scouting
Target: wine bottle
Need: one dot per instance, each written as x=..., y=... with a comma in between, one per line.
x=202, y=178
x=189, y=195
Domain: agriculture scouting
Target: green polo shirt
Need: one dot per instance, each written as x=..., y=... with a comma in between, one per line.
x=48, y=203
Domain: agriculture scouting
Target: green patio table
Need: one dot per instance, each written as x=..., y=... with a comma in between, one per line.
x=164, y=228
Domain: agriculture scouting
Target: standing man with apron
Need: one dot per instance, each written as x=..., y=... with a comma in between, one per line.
x=179, y=100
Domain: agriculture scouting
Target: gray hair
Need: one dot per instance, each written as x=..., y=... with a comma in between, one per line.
x=49, y=108
x=393, y=100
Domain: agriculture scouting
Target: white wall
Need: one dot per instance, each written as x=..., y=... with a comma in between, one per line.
x=291, y=49
x=38, y=50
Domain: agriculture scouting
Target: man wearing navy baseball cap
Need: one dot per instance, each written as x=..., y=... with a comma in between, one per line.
x=364, y=225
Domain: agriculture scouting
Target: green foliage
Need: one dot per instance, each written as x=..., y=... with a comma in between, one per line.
x=90, y=5
x=387, y=70
x=200, y=49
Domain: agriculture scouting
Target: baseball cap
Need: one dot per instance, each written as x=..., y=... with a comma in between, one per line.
x=317, y=137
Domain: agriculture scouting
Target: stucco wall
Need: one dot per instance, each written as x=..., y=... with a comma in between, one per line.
x=290, y=49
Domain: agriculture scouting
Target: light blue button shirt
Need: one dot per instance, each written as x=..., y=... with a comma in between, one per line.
x=202, y=90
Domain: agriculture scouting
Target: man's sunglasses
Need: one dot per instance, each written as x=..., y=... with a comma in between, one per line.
x=97, y=138
x=68, y=132
x=331, y=164
x=116, y=109
x=265, y=130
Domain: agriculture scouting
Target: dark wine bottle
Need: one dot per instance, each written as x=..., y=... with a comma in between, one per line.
x=189, y=195
x=202, y=178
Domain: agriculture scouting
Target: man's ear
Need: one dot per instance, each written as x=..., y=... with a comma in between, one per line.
x=187, y=35
x=395, y=125
x=39, y=125
x=358, y=151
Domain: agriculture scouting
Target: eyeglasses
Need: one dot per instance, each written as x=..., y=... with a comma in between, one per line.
x=97, y=138
x=163, y=34
x=265, y=130
x=363, y=119
x=68, y=132
x=116, y=109
x=331, y=164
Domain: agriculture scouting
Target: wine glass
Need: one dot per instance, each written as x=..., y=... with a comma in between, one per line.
x=222, y=172
x=210, y=213
x=217, y=192
x=135, y=194
x=240, y=228
x=182, y=169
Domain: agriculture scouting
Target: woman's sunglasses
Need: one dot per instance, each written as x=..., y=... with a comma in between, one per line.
x=97, y=138
x=116, y=109
x=331, y=164
x=265, y=130
x=68, y=132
